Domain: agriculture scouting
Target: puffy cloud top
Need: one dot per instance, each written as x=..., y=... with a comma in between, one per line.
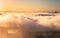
x=30, y=22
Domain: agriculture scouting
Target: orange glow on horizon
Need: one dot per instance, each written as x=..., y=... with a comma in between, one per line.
x=11, y=6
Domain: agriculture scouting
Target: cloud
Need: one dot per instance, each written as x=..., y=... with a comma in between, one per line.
x=30, y=22
x=22, y=25
x=51, y=22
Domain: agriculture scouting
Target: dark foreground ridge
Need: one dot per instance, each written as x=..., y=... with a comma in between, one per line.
x=48, y=34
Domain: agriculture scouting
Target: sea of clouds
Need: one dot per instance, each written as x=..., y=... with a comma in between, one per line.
x=24, y=25
x=32, y=22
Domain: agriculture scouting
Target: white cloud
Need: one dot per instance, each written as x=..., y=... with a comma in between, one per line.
x=21, y=24
x=30, y=22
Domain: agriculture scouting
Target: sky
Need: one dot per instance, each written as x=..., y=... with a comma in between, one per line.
x=29, y=5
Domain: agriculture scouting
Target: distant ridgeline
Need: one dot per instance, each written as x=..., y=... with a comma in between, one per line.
x=29, y=11
x=55, y=12
x=24, y=11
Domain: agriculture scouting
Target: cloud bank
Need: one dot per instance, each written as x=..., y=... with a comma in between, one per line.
x=30, y=22
x=20, y=25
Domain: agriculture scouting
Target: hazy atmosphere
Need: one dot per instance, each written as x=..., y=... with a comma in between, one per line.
x=29, y=5
x=29, y=18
